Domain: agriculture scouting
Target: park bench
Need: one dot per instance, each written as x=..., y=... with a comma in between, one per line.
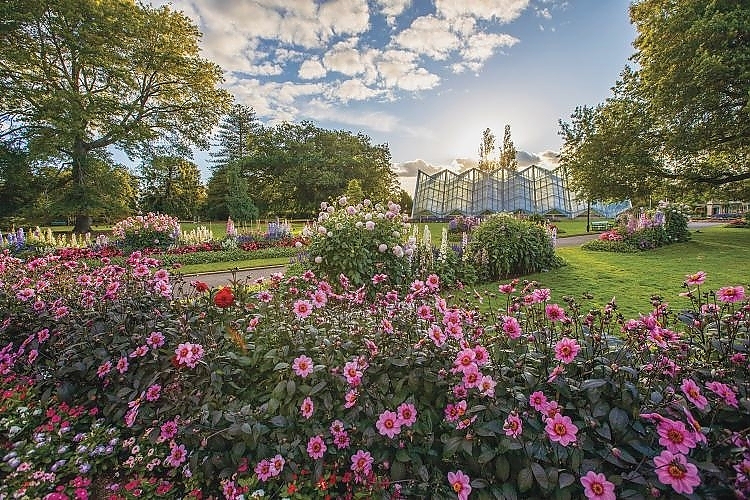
x=600, y=225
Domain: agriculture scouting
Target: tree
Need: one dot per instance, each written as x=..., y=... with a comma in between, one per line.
x=238, y=201
x=19, y=184
x=295, y=166
x=405, y=201
x=508, y=153
x=354, y=192
x=682, y=118
x=171, y=185
x=486, y=148
x=236, y=135
x=80, y=76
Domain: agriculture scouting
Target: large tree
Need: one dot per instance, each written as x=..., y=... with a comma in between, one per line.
x=236, y=135
x=295, y=166
x=682, y=116
x=80, y=76
x=171, y=185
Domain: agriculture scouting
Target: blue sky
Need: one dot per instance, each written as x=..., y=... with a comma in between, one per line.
x=425, y=76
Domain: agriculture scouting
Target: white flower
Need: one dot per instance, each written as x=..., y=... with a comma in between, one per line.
x=398, y=251
x=318, y=259
x=369, y=225
x=342, y=201
x=382, y=248
x=322, y=230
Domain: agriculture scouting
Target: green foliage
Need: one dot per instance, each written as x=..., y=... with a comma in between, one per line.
x=238, y=202
x=171, y=185
x=619, y=246
x=236, y=135
x=508, y=153
x=678, y=122
x=503, y=246
x=676, y=222
x=229, y=367
x=147, y=231
x=83, y=76
x=360, y=241
x=295, y=167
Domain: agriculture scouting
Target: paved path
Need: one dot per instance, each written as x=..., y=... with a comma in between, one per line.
x=250, y=275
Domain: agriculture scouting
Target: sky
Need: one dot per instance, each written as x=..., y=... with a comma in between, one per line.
x=424, y=76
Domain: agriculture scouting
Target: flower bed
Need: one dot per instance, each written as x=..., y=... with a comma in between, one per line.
x=309, y=388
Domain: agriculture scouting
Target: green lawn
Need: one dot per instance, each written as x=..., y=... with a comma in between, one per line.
x=228, y=266
x=632, y=278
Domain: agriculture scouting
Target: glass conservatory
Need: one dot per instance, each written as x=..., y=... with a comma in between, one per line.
x=475, y=192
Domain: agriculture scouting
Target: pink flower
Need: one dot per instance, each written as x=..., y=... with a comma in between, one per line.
x=155, y=340
x=566, y=350
x=511, y=327
x=693, y=393
x=277, y=465
x=303, y=366
x=674, y=436
x=487, y=386
x=561, y=430
x=596, y=487
x=389, y=424
x=465, y=360
x=436, y=334
x=264, y=470
x=104, y=369
x=168, y=430
x=307, y=408
x=153, y=392
x=424, y=312
x=538, y=400
x=460, y=483
x=188, y=354
x=341, y=440
x=407, y=414
x=507, y=289
x=455, y=411
x=554, y=312
x=122, y=365
x=352, y=373
x=676, y=471
x=433, y=282
x=350, y=399
x=362, y=462
x=513, y=425
x=723, y=391
x=695, y=279
x=731, y=294
x=316, y=447
x=265, y=296
x=541, y=294
x=177, y=456
x=302, y=308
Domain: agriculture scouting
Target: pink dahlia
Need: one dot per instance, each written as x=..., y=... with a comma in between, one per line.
x=596, y=487
x=676, y=471
x=561, y=430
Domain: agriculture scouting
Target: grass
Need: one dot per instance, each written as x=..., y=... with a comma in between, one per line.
x=565, y=227
x=633, y=278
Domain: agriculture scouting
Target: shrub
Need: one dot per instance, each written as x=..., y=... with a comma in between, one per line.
x=504, y=246
x=360, y=241
x=600, y=245
x=461, y=224
x=676, y=221
x=308, y=388
x=147, y=231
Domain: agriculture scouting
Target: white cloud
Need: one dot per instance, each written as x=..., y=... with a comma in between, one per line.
x=311, y=69
x=344, y=17
x=353, y=90
x=429, y=36
x=398, y=69
x=501, y=10
x=411, y=168
x=264, y=69
x=391, y=9
x=544, y=13
x=345, y=58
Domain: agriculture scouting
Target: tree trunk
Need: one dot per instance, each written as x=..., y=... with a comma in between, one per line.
x=83, y=224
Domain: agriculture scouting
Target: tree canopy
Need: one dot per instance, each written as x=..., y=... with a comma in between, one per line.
x=295, y=166
x=680, y=116
x=79, y=76
x=171, y=185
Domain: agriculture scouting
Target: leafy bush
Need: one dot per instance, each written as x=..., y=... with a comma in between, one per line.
x=609, y=246
x=308, y=388
x=147, y=231
x=360, y=241
x=463, y=224
x=503, y=246
x=676, y=221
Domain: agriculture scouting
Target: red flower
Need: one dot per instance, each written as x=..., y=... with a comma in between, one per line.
x=200, y=286
x=224, y=297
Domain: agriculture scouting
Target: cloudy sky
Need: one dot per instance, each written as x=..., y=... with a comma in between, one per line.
x=425, y=76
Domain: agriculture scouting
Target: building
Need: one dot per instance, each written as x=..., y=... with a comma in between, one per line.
x=475, y=192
